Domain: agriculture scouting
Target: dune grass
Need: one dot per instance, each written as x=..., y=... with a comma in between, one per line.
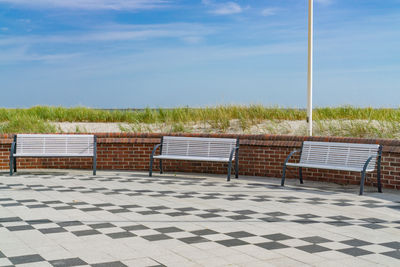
x=38, y=119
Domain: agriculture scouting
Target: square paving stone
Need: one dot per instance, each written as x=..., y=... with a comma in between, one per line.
x=272, y=219
x=156, y=237
x=394, y=245
x=193, y=239
x=109, y=264
x=204, y=232
x=355, y=251
x=271, y=245
x=26, y=259
x=315, y=239
x=239, y=234
x=102, y=225
x=69, y=223
x=277, y=237
x=232, y=242
x=20, y=228
x=355, y=242
x=373, y=226
x=10, y=219
x=169, y=230
x=39, y=221
x=239, y=217
x=123, y=234
x=208, y=215
x=68, y=262
x=52, y=230
x=137, y=227
x=394, y=254
x=86, y=232
x=313, y=248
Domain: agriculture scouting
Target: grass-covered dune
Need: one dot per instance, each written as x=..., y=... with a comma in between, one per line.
x=338, y=121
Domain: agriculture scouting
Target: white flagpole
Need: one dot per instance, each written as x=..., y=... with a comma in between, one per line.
x=310, y=66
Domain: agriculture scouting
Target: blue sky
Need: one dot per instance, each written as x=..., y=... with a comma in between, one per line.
x=167, y=53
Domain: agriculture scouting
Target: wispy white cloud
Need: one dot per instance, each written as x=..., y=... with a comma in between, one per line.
x=187, y=32
x=268, y=11
x=326, y=2
x=90, y=4
x=226, y=8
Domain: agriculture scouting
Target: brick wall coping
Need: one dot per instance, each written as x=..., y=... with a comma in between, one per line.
x=389, y=145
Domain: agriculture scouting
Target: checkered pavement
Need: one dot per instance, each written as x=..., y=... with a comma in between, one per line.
x=125, y=219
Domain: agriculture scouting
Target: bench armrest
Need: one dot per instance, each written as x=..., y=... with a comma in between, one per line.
x=154, y=150
x=290, y=155
x=367, y=163
x=233, y=151
x=12, y=150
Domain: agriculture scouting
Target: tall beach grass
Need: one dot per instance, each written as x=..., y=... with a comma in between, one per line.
x=39, y=119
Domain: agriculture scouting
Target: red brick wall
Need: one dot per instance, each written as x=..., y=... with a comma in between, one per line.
x=259, y=155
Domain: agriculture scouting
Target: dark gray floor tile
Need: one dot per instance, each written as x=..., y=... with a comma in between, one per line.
x=204, y=232
x=356, y=242
x=123, y=234
x=101, y=225
x=20, y=228
x=239, y=234
x=69, y=223
x=68, y=262
x=271, y=245
x=10, y=219
x=52, y=230
x=355, y=251
x=313, y=248
x=26, y=259
x=232, y=242
x=156, y=237
x=277, y=237
x=194, y=239
x=109, y=264
x=315, y=239
x=169, y=230
x=86, y=232
x=394, y=254
x=394, y=245
x=135, y=227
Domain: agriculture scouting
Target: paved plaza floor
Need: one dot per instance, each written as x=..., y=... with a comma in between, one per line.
x=71, y=218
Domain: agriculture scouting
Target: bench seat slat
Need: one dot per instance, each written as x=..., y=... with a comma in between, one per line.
x=52, y=155
x=191, y=158
x=328, y=167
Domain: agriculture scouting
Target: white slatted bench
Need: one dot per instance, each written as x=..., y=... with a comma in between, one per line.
x=52, y=145
x=198, y=149
x=338, y=156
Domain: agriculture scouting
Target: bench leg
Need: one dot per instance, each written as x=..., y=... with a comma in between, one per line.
x=11, y=165
x=94, y=165
x=379, y=180
x=161, y=169
x=378, y=175
x=362, y=183
x=283, y=175
x=236, y=169
x=151, y=167
x=301, y=175
x=229, y=171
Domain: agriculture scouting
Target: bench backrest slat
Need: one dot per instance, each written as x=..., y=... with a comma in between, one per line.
x=198, y=146
x=55, y=144
x=339, y=154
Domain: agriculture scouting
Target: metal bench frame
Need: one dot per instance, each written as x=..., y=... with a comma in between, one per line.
x=364, y=169
x=233, y=154
x=14, y=156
